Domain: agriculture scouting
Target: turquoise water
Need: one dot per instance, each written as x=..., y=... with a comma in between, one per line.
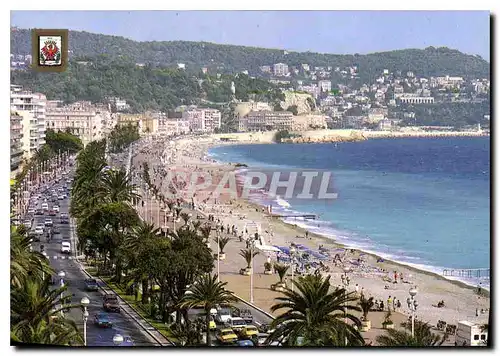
x=420, y=201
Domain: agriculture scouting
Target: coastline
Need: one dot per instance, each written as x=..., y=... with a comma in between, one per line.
x=461, y=299
x=331, y=239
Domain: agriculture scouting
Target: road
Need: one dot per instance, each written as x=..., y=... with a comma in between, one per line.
x=75, y=279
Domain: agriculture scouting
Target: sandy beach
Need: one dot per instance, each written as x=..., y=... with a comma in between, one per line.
x=368, y=274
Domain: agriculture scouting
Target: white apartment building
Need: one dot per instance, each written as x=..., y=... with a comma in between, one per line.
x=410, y=99
x=312, y=89
x=280, y=69
x=16, y=147
x=81, y=118
x=266, y=120
x=325, y=85
x=203, y=120
x=172, y=126
x=31, y=107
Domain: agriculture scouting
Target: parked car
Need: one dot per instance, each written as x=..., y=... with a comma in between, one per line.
x=248, y=331
x=111, y=303
x=246, y=314
x=226, y=336
x=245, y=343
x=102, y=320
x=91, y=284
x=237, y=323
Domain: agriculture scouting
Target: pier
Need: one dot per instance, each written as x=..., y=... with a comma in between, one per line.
x=305, y=216
x=468, y=273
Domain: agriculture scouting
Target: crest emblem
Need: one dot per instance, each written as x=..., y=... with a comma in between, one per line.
x=50, y=50
x=50, y=54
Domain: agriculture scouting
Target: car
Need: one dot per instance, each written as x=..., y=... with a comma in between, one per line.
x=64, y=221
x=56, y=208
x=102, y=320
x=31, y=210
x=65, y=247
x=48, y=222
x=27, y=223
x=111, y=303
x=55, y=230
x=226, y=336
x=262, y=338
x=39, y=230
x=45, y=206
x=52, y=213
x=248, y=331
x=237, y=323
x=39, y=212
x=64, y=215
x=91, y=284
x=245, y=343
x=62, y=197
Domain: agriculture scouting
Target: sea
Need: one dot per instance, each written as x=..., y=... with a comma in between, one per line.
x=423, y=202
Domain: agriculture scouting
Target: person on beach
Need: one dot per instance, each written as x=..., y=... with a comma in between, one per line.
x=307, y=234
x=395, y=277
x=389, y=302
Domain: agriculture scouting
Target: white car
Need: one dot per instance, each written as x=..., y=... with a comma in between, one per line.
x=62, y=196
x=56, y=208
x=65, y=247
x=45, y=206
x=27, y=223
x=48, y=222
x=39, y=230
x=31, y=210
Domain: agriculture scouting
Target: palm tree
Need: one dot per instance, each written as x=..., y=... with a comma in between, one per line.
x=222, y=241
x=207, y=293
x=36, y=314
x=281, y=269
x=184, y=334
x=117, y=187
x=185, y=217
x=248, y=254
x=422, y=336
x=24, y=263
x=205, y=232
x=366, y=306
x=315, y=315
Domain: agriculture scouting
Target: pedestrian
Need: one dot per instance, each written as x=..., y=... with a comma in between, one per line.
x=389, y=302
x=394, y=304
x=356, y=288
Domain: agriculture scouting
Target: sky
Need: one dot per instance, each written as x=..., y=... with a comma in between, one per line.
x=338, y=32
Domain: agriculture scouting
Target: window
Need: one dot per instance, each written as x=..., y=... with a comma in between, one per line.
x=476, y=337
x=483, y=337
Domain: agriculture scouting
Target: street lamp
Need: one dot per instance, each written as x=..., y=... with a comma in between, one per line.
x=345, y=282
x=217, y=231
x=412, y=305
x=293, y=252
x=117, y=339
x=252, y=246
x=62, y=275
x=85, y=302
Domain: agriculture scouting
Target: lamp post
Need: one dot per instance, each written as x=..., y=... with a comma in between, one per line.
x=85, y=315
x=293, y=252
x=252, y=246
x=218, y=253
x=117, y=339
x=412, y=305
x=61, y=276
x=43, y=273
x=345, y=282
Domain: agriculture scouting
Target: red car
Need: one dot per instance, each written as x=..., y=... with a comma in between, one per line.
x=52, y=213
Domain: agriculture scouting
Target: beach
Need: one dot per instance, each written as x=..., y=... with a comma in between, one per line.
x=367, y=272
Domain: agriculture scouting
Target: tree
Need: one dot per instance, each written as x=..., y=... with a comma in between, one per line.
x=223, y=241
x=207, y=292
x=366, y=305
x=281, y=269
x=248, y=254
x=315, y=315
x=293, y=109
x=423, y=337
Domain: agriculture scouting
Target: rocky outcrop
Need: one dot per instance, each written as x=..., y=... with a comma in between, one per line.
x=305, y=102
x=354, y=136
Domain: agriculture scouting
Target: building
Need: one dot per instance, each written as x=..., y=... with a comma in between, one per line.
x=325, y=86
x=203, y=120
x=82, y=119
x=266, y=121
x=16, y=144
x=31, y=107
x=265, y=69
x=305, y=67
x=410, y=99
x=309, y=122
x=118, y=104
x=385, y=125
x=312, y=89
x=281, y=70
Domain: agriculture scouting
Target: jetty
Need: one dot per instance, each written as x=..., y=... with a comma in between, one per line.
x=468, y=273
x=304, y=216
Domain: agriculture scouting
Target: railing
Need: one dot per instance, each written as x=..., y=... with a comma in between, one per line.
x=469, y=273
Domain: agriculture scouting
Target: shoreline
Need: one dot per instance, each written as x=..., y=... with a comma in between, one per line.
x=372, y=275
x=330, y=240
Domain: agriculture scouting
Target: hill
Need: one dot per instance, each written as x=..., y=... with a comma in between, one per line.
x=229, y=58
